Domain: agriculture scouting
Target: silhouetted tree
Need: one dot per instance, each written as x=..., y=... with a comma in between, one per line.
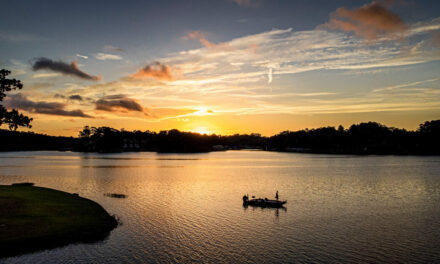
x=430, y=127
x=19, y=141
x=13, y=118
x=429, y=137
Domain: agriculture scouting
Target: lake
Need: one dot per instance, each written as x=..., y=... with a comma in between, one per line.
x=188, y=207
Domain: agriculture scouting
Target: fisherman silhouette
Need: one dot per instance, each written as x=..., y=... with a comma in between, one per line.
x=276, y=196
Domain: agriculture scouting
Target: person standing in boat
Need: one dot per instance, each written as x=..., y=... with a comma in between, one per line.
x=276, y=196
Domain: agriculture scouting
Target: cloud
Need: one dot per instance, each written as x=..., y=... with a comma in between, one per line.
x=106, y=56
x=290, y=52
x=39, y=86
x=436, y=38
x=18, y=37
x=405, y=85
x=17, y=67
x=155, y=70
x=239, y=76
x=168, y=113
x=110, y=48
x=118, y=103
x=247, y=3
x=42, y=107
x=82, y=56
x=45, y=75
x=269, y=76
x=202, y=38
x=63, y=68
x=76, y=97
x=369, y=21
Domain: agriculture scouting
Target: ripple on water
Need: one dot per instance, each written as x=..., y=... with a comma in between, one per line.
x=187, y=208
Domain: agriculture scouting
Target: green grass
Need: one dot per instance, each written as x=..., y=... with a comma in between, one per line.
x=35, y=218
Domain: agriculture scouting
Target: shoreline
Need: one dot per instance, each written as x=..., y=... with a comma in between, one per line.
x=318, y=152
x=38, y=218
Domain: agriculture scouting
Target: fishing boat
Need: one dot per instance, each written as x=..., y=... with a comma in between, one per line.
x=262, y=202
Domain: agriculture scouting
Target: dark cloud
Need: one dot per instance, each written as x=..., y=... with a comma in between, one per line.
x=49, y=108
x=155, y=70
x=63, y=68
x=117, y=103
x=76, y=97
x=115, y=96
x=369, y=21
x=71, y=97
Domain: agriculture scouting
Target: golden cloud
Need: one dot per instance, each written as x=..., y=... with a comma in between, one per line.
x=155, y=70
x=369, y=21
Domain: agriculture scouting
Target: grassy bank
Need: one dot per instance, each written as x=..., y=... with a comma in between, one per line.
x=36, y=218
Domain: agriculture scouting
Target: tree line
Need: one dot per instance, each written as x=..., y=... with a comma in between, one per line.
x=363, y=138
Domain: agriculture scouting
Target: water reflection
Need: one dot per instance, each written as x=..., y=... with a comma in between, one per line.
x=275, y=210
x=131, y=158
x=188, y=207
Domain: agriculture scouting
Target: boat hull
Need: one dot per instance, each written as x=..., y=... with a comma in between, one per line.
x=264, y=203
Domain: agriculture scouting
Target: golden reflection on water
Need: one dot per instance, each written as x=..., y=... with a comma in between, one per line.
x=188, y=207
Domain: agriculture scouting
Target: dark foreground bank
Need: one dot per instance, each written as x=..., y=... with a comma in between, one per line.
x=36, y=218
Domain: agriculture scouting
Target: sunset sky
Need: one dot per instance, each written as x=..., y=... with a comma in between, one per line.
x=222, y=66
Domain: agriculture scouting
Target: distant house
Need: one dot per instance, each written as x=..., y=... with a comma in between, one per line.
x=130, y=144
x=218, y=147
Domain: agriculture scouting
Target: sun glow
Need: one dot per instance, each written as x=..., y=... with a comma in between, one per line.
x=202, y=130
x=202, y=126
x=203, y=111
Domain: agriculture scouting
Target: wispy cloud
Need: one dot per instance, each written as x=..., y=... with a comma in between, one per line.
x=411, y=84
x=106, y=56
x=199, y=36
x=202, y=38
x=239, y=75
x=110, y=48
x=63, y=68
x=18, y=37
x=169, y=113
x=45, y=75
x=17, y=67
x=248, y=3
x=82, y=56
x=42, y=107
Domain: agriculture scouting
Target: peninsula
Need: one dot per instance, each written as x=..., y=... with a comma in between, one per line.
x=37, y=218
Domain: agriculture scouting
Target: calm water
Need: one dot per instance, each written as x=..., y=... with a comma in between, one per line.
x=187, y=207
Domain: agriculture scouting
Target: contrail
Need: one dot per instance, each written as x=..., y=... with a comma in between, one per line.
x=269, y=75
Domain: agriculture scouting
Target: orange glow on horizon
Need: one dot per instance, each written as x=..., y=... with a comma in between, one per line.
x=202, y=127
x=202, y=131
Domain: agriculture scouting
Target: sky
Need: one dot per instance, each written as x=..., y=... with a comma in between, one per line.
x=222, y=66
